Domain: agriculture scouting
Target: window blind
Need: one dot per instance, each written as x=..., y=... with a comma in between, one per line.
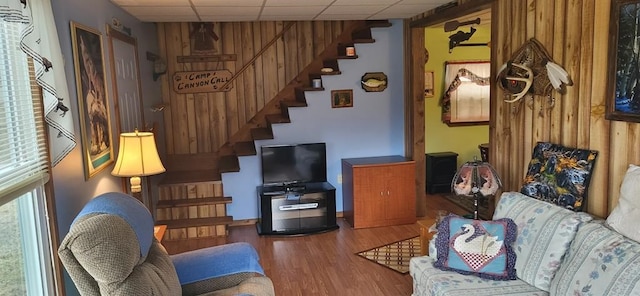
x=23, y=146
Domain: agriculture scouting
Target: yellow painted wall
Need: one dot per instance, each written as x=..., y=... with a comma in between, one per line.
x=439, y=137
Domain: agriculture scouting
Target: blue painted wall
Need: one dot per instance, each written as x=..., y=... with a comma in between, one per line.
x=72, y=192
x=374, y=126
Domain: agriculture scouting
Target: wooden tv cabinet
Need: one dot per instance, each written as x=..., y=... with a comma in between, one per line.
x=378, y=191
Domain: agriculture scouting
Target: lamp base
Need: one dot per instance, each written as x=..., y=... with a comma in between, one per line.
x=135, y=184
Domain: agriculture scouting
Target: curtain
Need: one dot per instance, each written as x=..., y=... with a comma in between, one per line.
x=475, y=98
x=40, y=42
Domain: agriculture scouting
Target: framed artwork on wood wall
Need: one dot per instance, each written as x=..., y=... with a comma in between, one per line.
x=623, y=87
x=93, y=103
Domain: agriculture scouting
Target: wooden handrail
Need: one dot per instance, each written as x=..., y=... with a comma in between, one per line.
x=255, y=57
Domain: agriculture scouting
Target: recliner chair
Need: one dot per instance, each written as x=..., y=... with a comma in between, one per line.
x=110, y=250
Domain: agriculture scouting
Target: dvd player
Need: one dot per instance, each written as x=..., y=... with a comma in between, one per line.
x=303, y=206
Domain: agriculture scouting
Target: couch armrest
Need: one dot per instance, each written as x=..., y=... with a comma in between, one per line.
x=235, y=262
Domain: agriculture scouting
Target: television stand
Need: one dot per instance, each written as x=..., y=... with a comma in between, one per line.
x=300, y=209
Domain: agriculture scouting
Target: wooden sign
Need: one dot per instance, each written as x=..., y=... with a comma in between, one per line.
x=201, y=81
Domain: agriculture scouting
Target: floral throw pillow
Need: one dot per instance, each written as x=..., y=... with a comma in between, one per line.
x=559, y=175
x=476, y=247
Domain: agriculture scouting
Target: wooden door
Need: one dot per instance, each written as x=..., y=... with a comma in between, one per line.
x=369, y=196
x=401, y=203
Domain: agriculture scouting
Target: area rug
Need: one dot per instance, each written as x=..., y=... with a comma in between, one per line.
x=394, y=255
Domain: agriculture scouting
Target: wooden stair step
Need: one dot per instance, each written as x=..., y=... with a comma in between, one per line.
x=229, y=163
x=261, y=133
x=378, y=23
x=362, y=36
x=311, y=88
x=247, y=148
x=277, y=118
x=291, y=103
x=187, y=202
x=330, y=73
x=190, y=177
x=195, y=222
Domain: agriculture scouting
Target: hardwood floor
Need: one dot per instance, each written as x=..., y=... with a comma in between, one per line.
x=325, y=263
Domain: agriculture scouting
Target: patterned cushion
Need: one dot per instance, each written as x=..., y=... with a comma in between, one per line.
x=599, y=262
x=559, y=175
x=625, y=217
x=429, y=280
x=476, y=247
x=545, y=232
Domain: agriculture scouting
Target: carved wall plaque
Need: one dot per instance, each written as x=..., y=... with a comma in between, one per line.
x=201, y=81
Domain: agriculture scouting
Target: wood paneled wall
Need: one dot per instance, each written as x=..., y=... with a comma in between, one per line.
x=575, y=33
x=203, y=122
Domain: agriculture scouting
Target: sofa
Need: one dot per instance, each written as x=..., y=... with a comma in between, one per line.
x=111, y=250
x=557, y=252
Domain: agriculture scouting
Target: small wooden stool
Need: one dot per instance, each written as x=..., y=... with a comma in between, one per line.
x=425, y=235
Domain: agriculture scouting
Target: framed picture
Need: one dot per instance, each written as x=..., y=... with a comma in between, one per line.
x=341, y=98
x=93, y=103
x=428, y=84
x=623, y=87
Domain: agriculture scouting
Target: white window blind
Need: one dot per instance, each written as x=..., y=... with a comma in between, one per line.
x=23, y=157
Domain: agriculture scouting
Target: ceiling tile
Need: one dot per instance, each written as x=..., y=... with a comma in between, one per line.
x=225, y=10
x=293, y=10
x=228, y=18
x=404, y=9
x=364, y=2
x=329, y=17
x=297, y=3
x=251, y=10
x=160, y=10
x=151, y=2
x=355, y=9
x=227, y=3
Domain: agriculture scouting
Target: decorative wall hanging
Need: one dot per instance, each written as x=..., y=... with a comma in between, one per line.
x=467, y=98
x=341, y=98
x=203, y=38
x=428, y=84
x=531, y=70
x=623, y=87
x=201, y=81
x=95, y=121
x=374, y=81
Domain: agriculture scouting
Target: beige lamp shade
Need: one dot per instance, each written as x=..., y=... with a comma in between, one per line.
x=137, y=156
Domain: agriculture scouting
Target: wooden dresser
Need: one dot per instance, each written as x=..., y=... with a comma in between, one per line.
x=378, y=191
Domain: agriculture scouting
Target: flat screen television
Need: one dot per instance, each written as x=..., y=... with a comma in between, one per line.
x=292, y=164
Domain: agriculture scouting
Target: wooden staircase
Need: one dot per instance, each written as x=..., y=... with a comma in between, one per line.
x=191, y=201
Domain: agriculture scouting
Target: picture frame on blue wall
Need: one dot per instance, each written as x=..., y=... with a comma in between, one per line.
x=623, y=86
x=93, y=102
x=341, y=98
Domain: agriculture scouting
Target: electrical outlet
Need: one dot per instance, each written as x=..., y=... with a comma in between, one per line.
x=339, y=178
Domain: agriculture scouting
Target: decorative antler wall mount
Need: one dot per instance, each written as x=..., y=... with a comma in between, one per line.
x=532, y=71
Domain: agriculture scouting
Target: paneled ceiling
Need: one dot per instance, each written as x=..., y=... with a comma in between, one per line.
x=269, y=10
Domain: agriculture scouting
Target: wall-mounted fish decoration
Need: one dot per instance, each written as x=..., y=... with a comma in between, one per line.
x=374, y=81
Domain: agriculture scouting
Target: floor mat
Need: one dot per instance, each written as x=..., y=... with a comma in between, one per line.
x=395, y=255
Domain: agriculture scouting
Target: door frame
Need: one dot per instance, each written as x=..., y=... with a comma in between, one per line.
x=415, y=59
x=118, y=36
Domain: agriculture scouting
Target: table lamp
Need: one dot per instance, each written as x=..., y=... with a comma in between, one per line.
x=477, y=179
x=137, y=157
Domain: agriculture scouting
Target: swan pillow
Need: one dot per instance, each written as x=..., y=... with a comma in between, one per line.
x=476, y=247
